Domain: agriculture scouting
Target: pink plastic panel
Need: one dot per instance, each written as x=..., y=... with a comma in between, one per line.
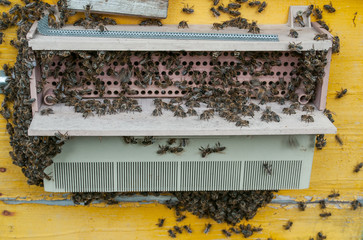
x=199, y=63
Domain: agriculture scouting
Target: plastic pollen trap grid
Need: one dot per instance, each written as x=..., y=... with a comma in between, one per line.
x=201, y=64
x=44, y=29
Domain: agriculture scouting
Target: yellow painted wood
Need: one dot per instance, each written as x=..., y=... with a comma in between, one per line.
x=332, y=167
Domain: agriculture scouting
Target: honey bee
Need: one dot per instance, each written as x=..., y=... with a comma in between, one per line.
x=321, y=36
x=233, y=5
x=339, y=140
x=207, y=114
x=299, y=19
x=320, y=141
x=181, y=218
x=355, y=204
x=288, y=111
x=317, y=13
x=308, y=108
x=223, y=9
x=293, y=33
x=217, y=26
x=192, y=112
x=234, y=13
x=355, y=16
x=187, y=228
x=309, y=11
x=183, y=24
x=267, y=167
x=301, y=205
x=254, y=28
x=325, y=214
x=178, y=229
x=341, y=93
x=207, y=228
x=323, y=25
x=320, y=236
x=226, y=233
x=148, y=140
x=215, y=12
x=262, y=7
x=336, y=44
x=322, y=204
x=5, y=2
x=254, y=3
x=329, y=114
x=215, y=2
x=187, y=9
x=329, y=8
x=295, y=47
x=307, y=118
x=288, y=225
x=160, y=222
x=334, y=194
x=163, y=149
x=130, y=140
x=205, y=151
x=171, y=233
x=46, y=111
x=358, y=167
x=151, y=22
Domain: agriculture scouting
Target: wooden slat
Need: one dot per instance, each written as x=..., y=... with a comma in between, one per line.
x=140, y=8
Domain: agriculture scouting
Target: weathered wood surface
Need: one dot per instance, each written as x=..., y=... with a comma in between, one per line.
x=140, y=8
x=41, y=215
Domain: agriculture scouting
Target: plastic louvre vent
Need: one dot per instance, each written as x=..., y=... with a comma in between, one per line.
x=175, y=176
x=84, y=176
x=284, y=175
x=147, y=176
x=210, y=175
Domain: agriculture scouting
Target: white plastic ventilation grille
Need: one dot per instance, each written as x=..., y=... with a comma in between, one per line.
x=284, y=175
x=175, y=176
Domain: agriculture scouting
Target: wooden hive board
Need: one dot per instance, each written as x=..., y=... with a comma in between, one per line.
x=140, y=8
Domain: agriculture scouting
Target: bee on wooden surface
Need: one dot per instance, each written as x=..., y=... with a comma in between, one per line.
x=157, y=112
x=171, y=233
x=254, y=3
x=2, y=35
x=320, y=141
x=223, y=9
x=242, y=123
x=341, y=93
x=171, y=141
x=254, y=28
x=234, y=230
x=148, y=140
x=358, y=167
x=176, y=149
x=215, y=2
x=178, y=229
x=215, y=12
x=181, y=218
x=301, y=205
x=187, y=9
x=130, y=140
x=295, y=47
x=317, y=13
x=322, y=204
x=187, y=228
x=288, y=111
x=234, y=13
x=329, y=114
x=233, y=5
x=308, y=108
x=183, y=24
x=46, y=111
x=288, y=225
x=355, y=204
x=323, y=25
x=226, y=233
x=321, y=36
x=339, y=140
x=192, y=112
x=293, y=33
x=299, y=19
x=241, y=1
x=307, y=118
x=336, y=44
x=217, y=26
x=267, y=168
x=151, y=22
x=262, y=7
x=163, y=149
x=334, y=194
x=5, y=3
x=61, y=137
x=207, y=228
x=309, y=10
x=295, y=106
x=160, y=222
x=207, y=114
x=329, y=8
x=320, y=236
x=102, y=27
x=325, y=214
